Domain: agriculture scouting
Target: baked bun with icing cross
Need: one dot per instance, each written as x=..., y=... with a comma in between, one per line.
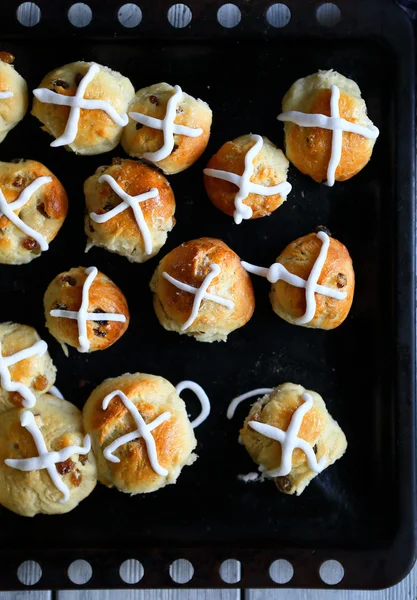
x=83, y=105
x=130, y=209
x=85, y=309
x=247, y=178
x=328, y=134
x=167, y=127
x=13, y=95
x=46, y=463
x=290, y=434
x=33, y=207
x=140, y=431
x=26, y=369
x=312, y=281
x=201, y=289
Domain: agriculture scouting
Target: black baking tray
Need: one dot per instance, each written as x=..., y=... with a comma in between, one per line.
x=360, y=511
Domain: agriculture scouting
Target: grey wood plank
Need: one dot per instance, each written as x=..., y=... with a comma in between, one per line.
x=149, y=595
x=30, y=595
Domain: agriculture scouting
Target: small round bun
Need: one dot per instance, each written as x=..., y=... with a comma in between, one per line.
x=97, y=132
x=174, y=438
x=190, y=263
x=13, y=109
x=270, y=168
x=29, y=493
x=317, y=428
x=309, y=148
x=65, y=293
x=139, y=139
x=289, y=302
x=121, y=233
x=44, y=212
x=37, y=372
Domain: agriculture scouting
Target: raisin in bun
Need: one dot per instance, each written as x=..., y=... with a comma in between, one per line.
x=310, y=148
x=65, y=293
x=269, y=170
x=321, y=432
x=29, y=493
x=96, y=131
x=174, y=437
x=299, y=258
x=190, y=264
x=12, y=108
x=36, y=372
x=44, y=211
x=142, y=141
x=138, y=238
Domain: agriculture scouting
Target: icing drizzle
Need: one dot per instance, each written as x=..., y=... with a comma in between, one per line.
x=167, y=126
x=46, y=460
x=7, y=209
x=54, y=391
x=289, y=440
x=236, y=401
x=37, y=349
x=76, y=103
x=7, y=94
x=335, y=124
x=82, y=315
x=200, y=293
x=143, y=430
x=278, y=272
x=201, y=395
x=243, y=182
x=128, y=201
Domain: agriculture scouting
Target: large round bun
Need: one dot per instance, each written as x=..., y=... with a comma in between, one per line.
x=32, y=492
x=44, y=212
x=36, y=372
x=138, y=140
x=309, y=148
x=190, y=263
x=13, y=109
x=289, y=302
x=65, y=293
x=97, y=132
x=270, y=169
x=121, y=233
x=318, y=428
x=174, y=438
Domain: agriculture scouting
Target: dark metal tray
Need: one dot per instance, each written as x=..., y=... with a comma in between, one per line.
x=361, y=511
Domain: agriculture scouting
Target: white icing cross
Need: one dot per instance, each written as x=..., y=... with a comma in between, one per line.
x=76, y=103
x=289, y=441
x=200, y=293
x=82, y=315
x=335, y=124
x=245, y=185
x=46, y=460
x=7, y=209
x=201, y=395
x=278, y=272
x=236, y=401
x=132, y=202
x=143, y=431
x=4, y=95
x=167, y=126
x=54, y=391
x=38, y=349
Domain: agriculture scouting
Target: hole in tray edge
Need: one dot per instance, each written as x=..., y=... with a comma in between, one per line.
x=181, y=571
x=278, y=15
x=281, y=571
x=328, y=14
x=80, y=572
x=331, y=572
x=28, y=14
x=131, y=571
x=29, y=572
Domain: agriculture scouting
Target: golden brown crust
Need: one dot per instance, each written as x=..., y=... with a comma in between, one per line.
x=65, y=292
x=318, y=428
x=45, y=212
x=33, y=492
x=174, y=438
x=190, y=264
x=309, y=148
x=12, y=110
x=270, y=168
x=121, y=234
x=337, y=273
x=97, y=132
x=37, y=373
x=152, y=101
